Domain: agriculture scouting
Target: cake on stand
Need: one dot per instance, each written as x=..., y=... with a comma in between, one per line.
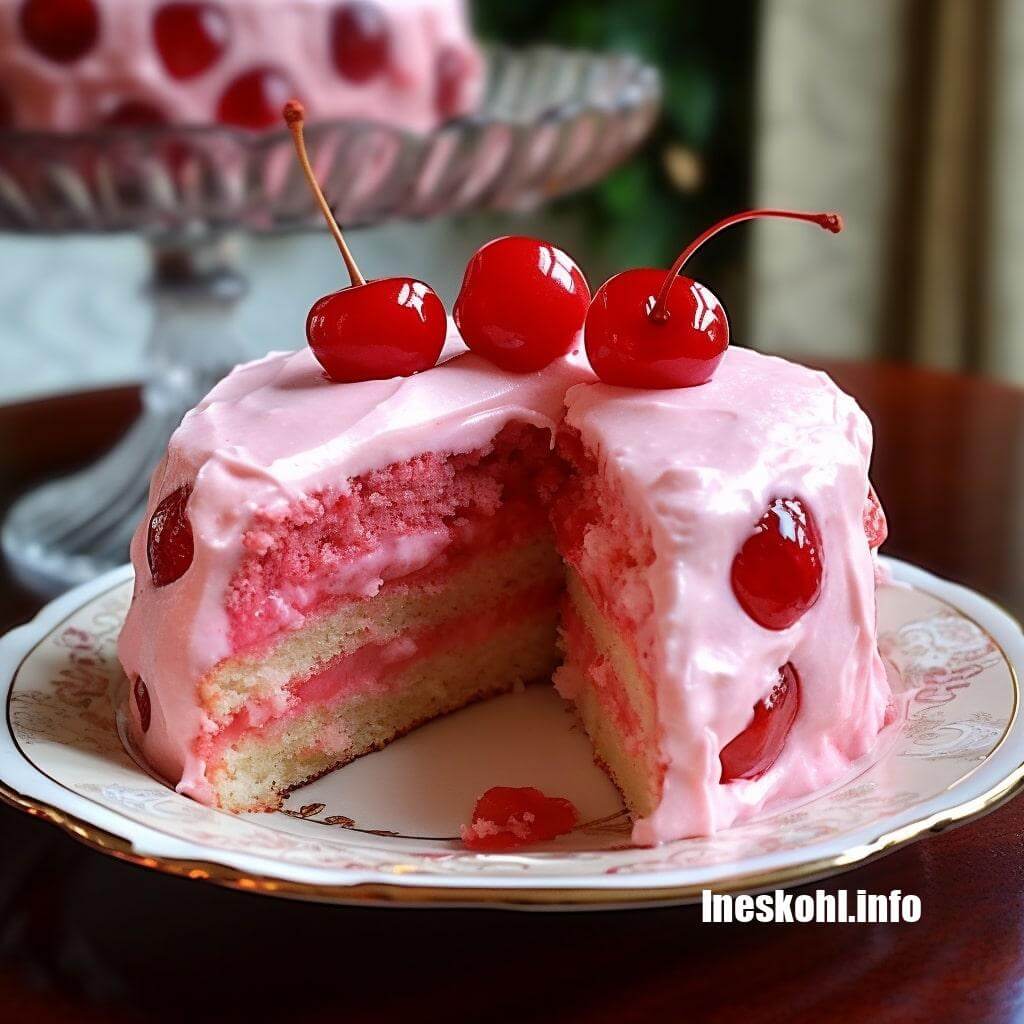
x=550, y=121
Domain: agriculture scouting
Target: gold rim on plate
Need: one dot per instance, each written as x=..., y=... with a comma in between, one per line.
x=411, y=893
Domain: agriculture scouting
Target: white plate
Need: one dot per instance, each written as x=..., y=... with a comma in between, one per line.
x=382, y=829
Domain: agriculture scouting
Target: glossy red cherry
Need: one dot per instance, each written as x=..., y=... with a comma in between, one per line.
x=751, y=753
x=876, y=529
x=190, y=37
x=169, y=546
x=647, y=329
x=142, y=703
x=61, y=30
x=506, y=818
x=373, y=330
x=522, y=303
x=626, y=347
x=135, y=114
x=393, y=327
x=253, y=100
x=776, y=576
x=449, y=75
x=360, y=40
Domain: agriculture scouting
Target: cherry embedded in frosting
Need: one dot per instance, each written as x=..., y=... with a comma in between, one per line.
x=360, y=40
x=135, y=114
x=169, y=546
x=506, y=818
x=449, y=74
x=751, y=753
x=876, y=529
x=142, y=703
x=649, y=329
x=776, y=576
x=190, y=37
x=61, y=30
x=522, y=303
x=254, y=99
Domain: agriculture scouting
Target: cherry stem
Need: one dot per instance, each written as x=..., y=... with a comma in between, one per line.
x=294, y=116
x=829, y=221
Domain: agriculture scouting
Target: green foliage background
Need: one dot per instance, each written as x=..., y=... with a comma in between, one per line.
x=640, y=216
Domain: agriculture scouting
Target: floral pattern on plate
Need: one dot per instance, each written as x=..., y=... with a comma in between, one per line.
x=955, y=749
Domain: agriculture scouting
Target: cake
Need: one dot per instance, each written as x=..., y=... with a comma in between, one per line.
x=354, y=560
x=74, y=65
x=347, y=541
x=363, y=561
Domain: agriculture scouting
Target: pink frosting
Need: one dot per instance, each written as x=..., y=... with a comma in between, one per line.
x=698, y=467
x=291, y=36
x=269, y=435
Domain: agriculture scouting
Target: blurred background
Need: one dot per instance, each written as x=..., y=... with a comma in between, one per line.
x=906, y=115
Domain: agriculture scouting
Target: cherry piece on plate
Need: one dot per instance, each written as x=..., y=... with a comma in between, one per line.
x=360, y=40
x=875, y=527
x=751, y=753
x=449, y=74
x=506, y=818
x=372, y=330
x=253, y=100
x=142, y=703
x=776, y=576
x=61, y=30
x=169, y=546
x=190, y=37
x=648, y=329
x=135, y=114
x=522, y=303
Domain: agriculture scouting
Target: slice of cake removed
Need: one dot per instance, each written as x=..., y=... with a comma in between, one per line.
x=324, y=567
x=700, y=713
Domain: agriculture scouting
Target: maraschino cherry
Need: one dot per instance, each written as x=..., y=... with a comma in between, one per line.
x=751, y=753
x=142, y=702
x=522, y=303
x=646, y=329
x=372, y=330
x=169, y=545
x=876, y=529
x=776, y=576
x=61, y=30
x=190, y=37
x=507, y=817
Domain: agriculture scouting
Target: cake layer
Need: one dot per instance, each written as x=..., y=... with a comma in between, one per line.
x=263, y=764
x=613, y=697
x=494, y=578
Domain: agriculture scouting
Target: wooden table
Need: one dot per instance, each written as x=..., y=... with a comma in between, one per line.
x=84, y=938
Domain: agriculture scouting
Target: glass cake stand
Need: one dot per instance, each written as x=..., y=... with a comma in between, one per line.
x=551, y=121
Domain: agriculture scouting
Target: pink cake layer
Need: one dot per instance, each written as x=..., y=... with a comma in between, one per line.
x=339, y=545
x=373, y=668
x=597, y=672
x=433, y=69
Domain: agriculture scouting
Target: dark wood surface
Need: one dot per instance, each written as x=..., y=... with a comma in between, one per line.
x=85, y=938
